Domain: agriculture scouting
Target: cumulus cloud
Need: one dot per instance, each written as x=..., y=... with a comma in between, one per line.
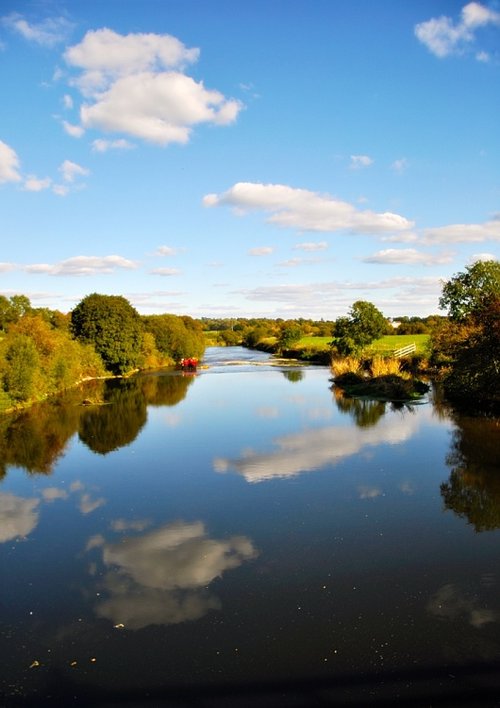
x=18, y=516
x=161, y=577
x=83, y=265
x=301, y=209
x=261, y=251
x=407, y=256
x=48, y=33
x=134, y=84
x=464, y=233
x=443, y=37
x=358, y=162
x=9, y=164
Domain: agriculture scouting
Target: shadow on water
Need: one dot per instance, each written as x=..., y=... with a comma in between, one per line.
x=470, y=685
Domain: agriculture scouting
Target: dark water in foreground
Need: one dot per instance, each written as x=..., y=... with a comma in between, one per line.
x=247, y=537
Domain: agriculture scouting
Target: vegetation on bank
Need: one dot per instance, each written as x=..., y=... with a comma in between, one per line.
x=44, y=351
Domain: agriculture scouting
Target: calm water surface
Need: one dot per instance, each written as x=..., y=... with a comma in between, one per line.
x=246, y=533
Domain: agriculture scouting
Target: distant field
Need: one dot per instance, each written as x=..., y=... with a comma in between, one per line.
x=385, y=345
x=389, y=343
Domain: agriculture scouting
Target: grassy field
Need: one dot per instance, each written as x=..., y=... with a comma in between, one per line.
x=386, y=345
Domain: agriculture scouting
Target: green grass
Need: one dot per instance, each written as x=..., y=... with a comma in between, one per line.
x=384, y=345
x=387, y=344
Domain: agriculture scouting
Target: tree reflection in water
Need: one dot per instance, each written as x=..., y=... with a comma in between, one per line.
x=37, y=437
x=293, y=375
x=364, y=412
x=473, y=488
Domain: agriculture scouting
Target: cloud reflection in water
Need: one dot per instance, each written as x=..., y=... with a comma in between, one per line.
x=311, y=450
x=18, y=516
x=161, y=577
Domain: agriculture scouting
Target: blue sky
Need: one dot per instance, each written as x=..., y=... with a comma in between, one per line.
x=273, y=158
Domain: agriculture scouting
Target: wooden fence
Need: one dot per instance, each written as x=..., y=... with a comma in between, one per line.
x=403, y=351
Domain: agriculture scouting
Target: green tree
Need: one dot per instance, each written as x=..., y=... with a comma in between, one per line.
x=363, y=325
x=467, y=291
x=176, y=337
x=290, y=334
x=113, y=327
x=21, y=366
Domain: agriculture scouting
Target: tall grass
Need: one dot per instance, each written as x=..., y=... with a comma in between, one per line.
x=385, y=366
x=347, y=365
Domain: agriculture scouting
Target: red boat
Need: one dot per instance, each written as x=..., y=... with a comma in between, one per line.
x=189, y=363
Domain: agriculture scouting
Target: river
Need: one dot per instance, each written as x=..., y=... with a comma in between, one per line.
x=246, y=536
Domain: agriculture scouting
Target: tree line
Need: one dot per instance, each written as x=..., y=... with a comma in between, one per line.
x=44, y=351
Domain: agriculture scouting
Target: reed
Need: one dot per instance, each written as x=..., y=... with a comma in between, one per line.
x=385, y=366
x=346, y=365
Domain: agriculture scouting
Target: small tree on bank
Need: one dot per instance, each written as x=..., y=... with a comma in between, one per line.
x=361, y=327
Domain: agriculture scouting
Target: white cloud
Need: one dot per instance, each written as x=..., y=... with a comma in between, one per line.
x=33, y=184
x=305, y=210
x=261, y=251
x=60, y=189
x=165, y=271
x=100, y=145
x=67, y=102
x=134, y=85
x=444, y=37
x=47, y=33
x=18, y=516
x=6, y=267
x=400, y=165
x=358, y=162
x=483, y=57
x=9, y=164
x=76, y=131
x=482, y=257
x=464, y=233
x=70, y=171
x=407, y=256
x=159, y=108
x=167, y=251
x=309, y=246
x=83, y=265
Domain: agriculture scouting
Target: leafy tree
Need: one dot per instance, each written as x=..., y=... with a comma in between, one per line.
x=113, y=327
x=176, y=337
x=21, y=367
x=363, y=325
x=474, y=376
x=466, y=292
x=290, y=334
